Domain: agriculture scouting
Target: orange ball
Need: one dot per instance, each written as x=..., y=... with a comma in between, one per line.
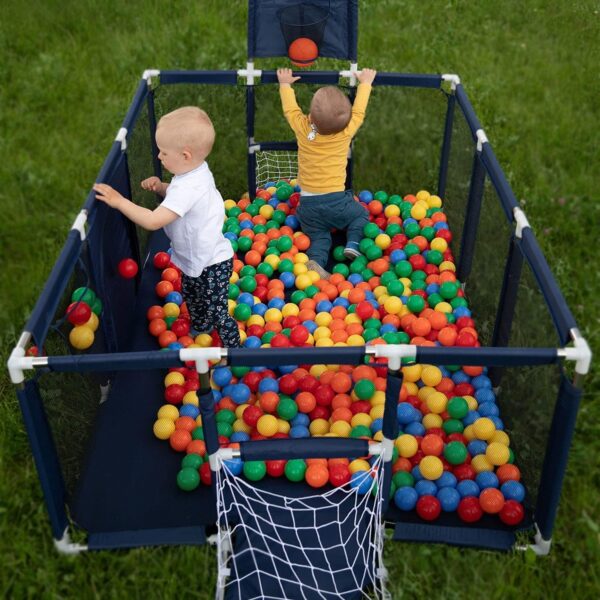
x=306, y=402
x=341, y=383
x=186, y=423
x=303, y=52
x=180, y=439
x=473, y=371
x=196, y=447
x=157, y=326
x=163, y=288
x=155, y=312
x=364, y=372
x=341, y=414
x=170, y=274
x=165, y=338
x=437, y=319
x=326, y=377
x=421, y=326
x=432, y=445
x=252, y=258
x=268, y=401
x=447, y=335
x=316, y=475
x=341, y=401
x=356, y=295
x=302, y=242
x=491, y=500
x=508, y=472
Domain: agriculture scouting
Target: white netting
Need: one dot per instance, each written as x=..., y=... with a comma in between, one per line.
x=273, y=165
x=322, y=546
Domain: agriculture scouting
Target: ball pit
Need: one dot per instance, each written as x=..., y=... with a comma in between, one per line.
x=452, y=454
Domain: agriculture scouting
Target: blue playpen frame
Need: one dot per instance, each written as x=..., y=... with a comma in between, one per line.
x=85, y=237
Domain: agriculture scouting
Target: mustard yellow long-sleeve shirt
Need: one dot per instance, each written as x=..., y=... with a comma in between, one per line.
x=322, y=161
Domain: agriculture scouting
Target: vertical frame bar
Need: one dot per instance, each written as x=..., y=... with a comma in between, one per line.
x=250, y=135
x=446, y=145
x=152, y=125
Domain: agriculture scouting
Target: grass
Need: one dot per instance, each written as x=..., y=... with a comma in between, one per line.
x=69, y=70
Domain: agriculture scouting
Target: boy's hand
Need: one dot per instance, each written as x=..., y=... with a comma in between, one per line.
x=366, y=76
x=108, y=195
x=285, y=76
x=152, y=184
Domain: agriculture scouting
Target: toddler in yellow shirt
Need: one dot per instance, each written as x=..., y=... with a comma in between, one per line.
x=324, y=137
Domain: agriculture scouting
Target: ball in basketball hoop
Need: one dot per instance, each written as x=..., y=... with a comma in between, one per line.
x=303, y=52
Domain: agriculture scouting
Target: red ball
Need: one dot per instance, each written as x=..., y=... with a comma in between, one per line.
x=445, y=234
x=290, y=322
x=128, y=268
x=319, y=412
x=360, y=406
x=205, y=473
x=310, y=384
x=280, y=341
x=339, y=475
x=512, y=512
x=174, y=393
x=417, y=261
x=78, y=313
x=464, y=471
x=428, y=508
x=299, y=335
x=252, y=379
x=324, y=395
x=469, y=509
x=180, y=327
x=275, y=468
x=261, y=279
x=161, y=260
x=364, y=310
x=251, y=415
x=288, y=384
x=463, y=389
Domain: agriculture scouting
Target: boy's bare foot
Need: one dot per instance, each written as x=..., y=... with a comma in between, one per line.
x=312, y=265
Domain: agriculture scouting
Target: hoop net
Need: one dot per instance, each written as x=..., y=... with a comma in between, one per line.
x=274, y=165
x=323, y=546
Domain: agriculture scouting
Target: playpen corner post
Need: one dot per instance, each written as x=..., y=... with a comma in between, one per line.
x=250, y=107
x=390, y=429
x=446, y=145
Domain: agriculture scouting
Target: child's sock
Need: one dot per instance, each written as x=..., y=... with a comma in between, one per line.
x=313, y=265
x=351, y=250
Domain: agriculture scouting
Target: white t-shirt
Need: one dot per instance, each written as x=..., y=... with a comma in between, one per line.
x=196, y=237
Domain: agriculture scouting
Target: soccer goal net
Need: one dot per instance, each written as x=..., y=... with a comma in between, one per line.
x=275, y=165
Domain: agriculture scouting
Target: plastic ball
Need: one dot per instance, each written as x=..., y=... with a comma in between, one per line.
x=81, y=337
x=163, y=428
x=188, y=479
x=431, y=467
x=255, y=470
x=449, y=499
x=316, y=475
x=428, y=508
x=295, y=469
x=512, y=513
x=491, y=500
x=128, y=268
x=469, y=509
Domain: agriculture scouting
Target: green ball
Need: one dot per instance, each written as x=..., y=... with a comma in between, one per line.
x=403, y=337
x=395, y=288
x=287, y=409
x=169, y=321
x=234, y=228
x=252, y=209
x=198, y=433
x=247, y=284
x=372, y=323
x=295, y=469
x=428, y=233
x=188, y=479
x=267, y=337
x=265, y=269
x=393, y=229
x=247, y=270
x=284, y=243
x=360, y=431
x=370, y=334
x=84, y=294
x=457, y=407
x=415, y=303
x=311, y=290
x=260, y=228
x=374, y=252
x=455, y=453
x=365, y=244
x=225, y=416
x=391, y=337
x=453, y=426
x=286, y=332
x=242, y=312
x=411, y=250
x=224, y=429
x=297, y=296
x=284, y=191
x=342, y=269
x=403, y=479
x=364, y=389
x=395, y=199
x=338, y=254
x=371, y=230
x=191, y=461
x=234, y=245
x=434, y=299
x=403, y=268
x=244, y=243
x=96, y=306
x=233, y=291
x=239, y=371
x=255, y=470
x=234, y=212
x=387, y=277
x=259, y=202
x=279, y=217
x=418, y=274
x=357, y=265
x=272, y=224
x=434, y=257
x=412, y=230
x=418, y=284
x=456, y=302
x=381, y=196
x=366, y=274
x=286, y=265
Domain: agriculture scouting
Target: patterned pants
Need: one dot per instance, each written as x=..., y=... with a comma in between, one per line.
x=206, y=298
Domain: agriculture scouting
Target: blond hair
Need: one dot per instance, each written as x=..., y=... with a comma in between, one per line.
x=189, y=127
x=330, y=110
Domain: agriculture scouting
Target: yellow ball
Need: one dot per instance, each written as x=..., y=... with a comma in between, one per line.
x=266, y=211
x=446, y=265
x=469, y=433
x=191, y=398
x=174, y=378
x=314, y=276
x=391, y=210
x=267, y=425
x=93, y=322
x=432, y=420
x=81, y=337
x=341, y=428
x=334, y=368
x=272, y=260
x=171, y=309
x=425, y=392
x=411, y=388
x=412, y=373
x=378, y=436
x=359, y=464
x=239, y=411
x=352, y=318
x=273, y=315
x=434, y=201
x=431, y=467
x=355, y=340
x=199, y=421
x=303, y=281
x=255, y=320
x=437, y=402
x=431, y=375
x=377, y=412
x=418, y=211
x=167, y=411
x=380, y=291
x=481, y=463
x=290, y=310
x=321, y=332
x=317, y=370
x=301, y=258
x=229, y=204
x=484, y=428
x=439, y=244
x=501, y=437
x=393, y=305
x=444, y=307
x=203, y=340
x=383, y=241
x=241, y=425
x=323, y=319
x=471, y=402
x=283, y=426
x=231, y=304
x=407, y=445
x=423, y=195
x=163, y=428
x=378, y=398
x=361, y=419
x=234, y=278
x=497, y=453
x=324, y=342
x=319, y=427
x=271, y=189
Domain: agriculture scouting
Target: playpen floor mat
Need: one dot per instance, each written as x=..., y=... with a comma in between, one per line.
x=127, y=494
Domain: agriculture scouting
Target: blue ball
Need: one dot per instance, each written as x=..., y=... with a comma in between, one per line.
x=488, y=409
x=388, y=328
x=432, y=288
x=485, y=395
x=365, y=196
x=440, y=225
x=415, y=428
x=310, y=325
x=217, y=396
x=467, y=487
x=487, y=479
x=361, y=481
x=175, y=346
x=470, y=417
x=246, y=224
x=239, y=436
x=230, y=236
x=277, y=303
x=268, y=384
x=285, y=369
x=240, y=393
x=222, y=376
x=497, y=421
x=324, y=306
x=406, y=498
x=460, y=377
x=376, y=425
x=246, y=298
x=341, y=302
x=355, y=278
x=449, y=498
x=300, y=419
x=288, y=279
x=446, y=479
x=416, y=473
x=175, y=297
x=409, y=221
x=253, y=341
x=481, y=381
x=299, y=431
x=396, y=256
x=274, y=201
x=424, y=487
x=259, y=309
x=476, y=447
x=406, y=413
x=292, y=221
x=513, y=490
x=235, y=465
x=461, y=311
x=189, y=410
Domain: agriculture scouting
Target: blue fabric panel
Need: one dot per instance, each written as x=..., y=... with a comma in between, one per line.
x=454, y=536
x=304, y=448
x=44, y=454
x=265, y=38
x=216, y=77
x=498, y=179
x=418, y=80
x=557, y=454
x=126, y=361
x=446, y=145
x=508, y=357
x=561, y=315
x=111, y=162
x=46, y=305
x=136, y=104
x=392, y=397
x=467, y=108
x=112, y=237
x=272, y=357
x=174, y=536
x=314, y=77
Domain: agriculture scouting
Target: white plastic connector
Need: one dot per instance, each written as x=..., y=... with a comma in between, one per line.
x=541, y=547
x=18, y=363
x=122, y=137
x=253, y=148
x=66, y=546
x=387, y=449
x=148, y=74
x=250, y=73
x=481, y=139
x=580, y=353
x=521, y=221
x=79, y=223
x=201, y=356
x=394, y=353
x=351, y=74
x=453, y=79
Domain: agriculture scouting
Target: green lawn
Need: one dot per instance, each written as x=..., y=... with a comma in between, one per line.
x=69, y=70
